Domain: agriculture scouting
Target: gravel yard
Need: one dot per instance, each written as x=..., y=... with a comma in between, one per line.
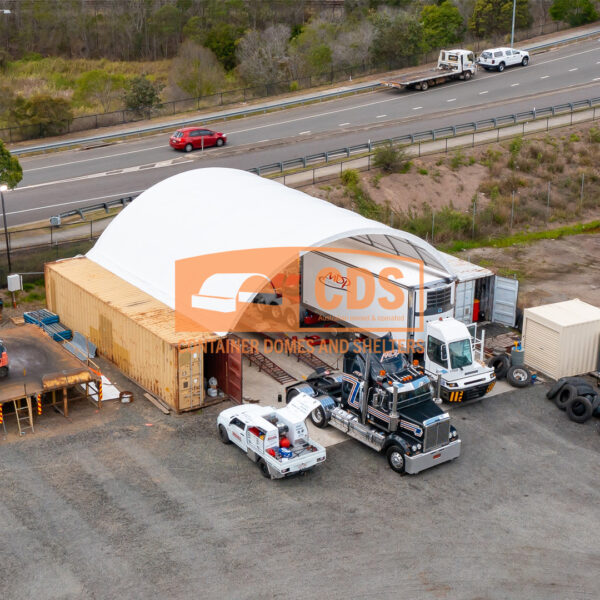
x=122, y=509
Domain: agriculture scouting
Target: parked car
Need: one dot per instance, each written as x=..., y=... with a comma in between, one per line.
x=499, y=58
x=190, y=138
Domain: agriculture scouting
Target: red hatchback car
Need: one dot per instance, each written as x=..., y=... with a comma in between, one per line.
x=190, y=138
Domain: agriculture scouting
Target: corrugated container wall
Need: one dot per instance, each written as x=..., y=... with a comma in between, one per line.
x=130, y=328
x=562, y=339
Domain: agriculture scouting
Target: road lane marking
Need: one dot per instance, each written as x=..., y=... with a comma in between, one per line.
x=343, y=124
x=159, y=165
x=380, y=116
x=544, y=76
x=514, y=84
x=76, y=162
x=481, y=93
x=304, y=133
x=417, y=108
x=574, y=69
x=451, y=100
x=26, y=210
x=261, y=141
x=596, y=79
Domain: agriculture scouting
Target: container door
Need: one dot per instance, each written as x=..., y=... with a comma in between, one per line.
x=505, y=300
x=191, y=378
x=465, y=294
x=234, y=375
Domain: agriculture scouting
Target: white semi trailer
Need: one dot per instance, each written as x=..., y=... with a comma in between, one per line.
x=377, y=292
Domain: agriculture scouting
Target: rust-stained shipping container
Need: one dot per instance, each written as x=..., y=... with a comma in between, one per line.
x=137, y=333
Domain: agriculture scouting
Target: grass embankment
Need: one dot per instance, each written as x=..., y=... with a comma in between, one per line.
x=542, y=187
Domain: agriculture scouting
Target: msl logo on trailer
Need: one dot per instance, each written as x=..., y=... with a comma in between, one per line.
x=282, y=289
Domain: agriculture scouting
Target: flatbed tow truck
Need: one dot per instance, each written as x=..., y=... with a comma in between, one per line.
x=383, y=402
x=276, y=439
x=451, y=65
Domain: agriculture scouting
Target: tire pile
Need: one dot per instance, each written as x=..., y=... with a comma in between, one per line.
x=577, y=397
x=517, y=375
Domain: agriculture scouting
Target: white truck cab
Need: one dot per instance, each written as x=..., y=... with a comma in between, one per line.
x=450, y=353
x=276, y=439
x=499, y=58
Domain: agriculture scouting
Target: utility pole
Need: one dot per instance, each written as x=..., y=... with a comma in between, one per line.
x=512, y=32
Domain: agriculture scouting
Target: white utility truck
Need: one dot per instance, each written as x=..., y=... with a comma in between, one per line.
x=422, y=323
x=276, y=439
x=452, y=64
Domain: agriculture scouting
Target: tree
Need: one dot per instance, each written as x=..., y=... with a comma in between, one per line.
x=311, y=50
x=495, y=16
x=196, y=70
x=261, y=54
x=11, y=172
x=573, y=12
x=397, y=37
x=142, y=95
x=99, y=86
x=443, y=25
x=353, y=47
x=51, y=115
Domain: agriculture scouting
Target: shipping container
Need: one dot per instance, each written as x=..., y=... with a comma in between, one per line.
x=561, y=339
x=137, y=333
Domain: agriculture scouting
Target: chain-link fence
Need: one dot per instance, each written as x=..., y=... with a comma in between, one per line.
x=228, y=97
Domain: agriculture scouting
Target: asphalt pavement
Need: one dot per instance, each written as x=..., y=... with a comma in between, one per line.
x=58, y=182
x=141, y=505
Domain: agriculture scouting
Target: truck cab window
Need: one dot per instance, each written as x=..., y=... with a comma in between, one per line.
x=435, y=351
x=239, y=424
x=460, y=354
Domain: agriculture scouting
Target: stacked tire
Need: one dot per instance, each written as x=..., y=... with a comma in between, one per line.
x=576, y=397
x=517, y=375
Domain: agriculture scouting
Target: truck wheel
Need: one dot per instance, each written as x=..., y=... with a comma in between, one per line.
x=579, y=409
x=318, y=417
x=224, y=435
x=3, y=371
x=500, y=364
x=264, y=469
x=424, y=86
x=525, y=61
x=467, y=75
x=566, y=394
x=501, y=67
x=518, y=377
x=291, y=395
x=395, y=458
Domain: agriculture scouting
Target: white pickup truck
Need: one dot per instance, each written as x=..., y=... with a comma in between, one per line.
x=276, y=439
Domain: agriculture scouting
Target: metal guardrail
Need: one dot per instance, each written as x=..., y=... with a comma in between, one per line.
x=249, y=111
x=429, y=135
x=199, y=120
x=56, y=220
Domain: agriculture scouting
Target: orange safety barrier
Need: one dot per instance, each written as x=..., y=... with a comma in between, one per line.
x=39, y=404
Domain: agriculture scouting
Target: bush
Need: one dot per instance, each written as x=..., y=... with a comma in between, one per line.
x=51, y=115
x=142, y=95
x=350, y=177
x=458, y=160
x=595, y=135
x=391, y=159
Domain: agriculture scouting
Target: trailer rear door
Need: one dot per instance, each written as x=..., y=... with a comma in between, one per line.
x=506, y=291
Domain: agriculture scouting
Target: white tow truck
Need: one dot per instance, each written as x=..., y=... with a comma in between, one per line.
x=276, y=439
x=452, y=64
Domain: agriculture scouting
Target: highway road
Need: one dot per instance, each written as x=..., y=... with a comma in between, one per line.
x=61, y=181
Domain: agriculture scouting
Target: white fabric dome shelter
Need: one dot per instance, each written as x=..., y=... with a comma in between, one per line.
x=204, y=211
